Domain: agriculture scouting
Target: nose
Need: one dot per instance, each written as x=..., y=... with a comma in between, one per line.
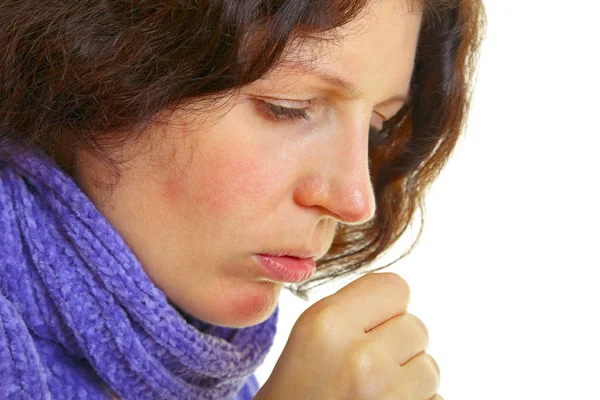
x=339, y=181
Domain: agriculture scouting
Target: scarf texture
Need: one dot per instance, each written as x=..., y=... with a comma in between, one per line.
x=80, y=318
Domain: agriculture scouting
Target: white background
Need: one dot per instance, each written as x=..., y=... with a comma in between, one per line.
x=506, y=273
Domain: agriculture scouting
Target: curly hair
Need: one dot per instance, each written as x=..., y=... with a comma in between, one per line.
x=95, y=74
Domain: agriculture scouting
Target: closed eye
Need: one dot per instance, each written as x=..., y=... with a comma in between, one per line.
x=278, y=113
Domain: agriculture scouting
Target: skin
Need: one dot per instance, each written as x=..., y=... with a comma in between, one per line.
x=196, y=203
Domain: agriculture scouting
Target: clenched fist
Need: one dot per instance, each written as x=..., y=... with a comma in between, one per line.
x=357, y=344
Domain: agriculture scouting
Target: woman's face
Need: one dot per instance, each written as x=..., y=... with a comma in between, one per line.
x=198, y=205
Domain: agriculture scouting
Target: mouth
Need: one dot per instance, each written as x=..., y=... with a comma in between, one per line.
x=296, y=253
x=287, y=268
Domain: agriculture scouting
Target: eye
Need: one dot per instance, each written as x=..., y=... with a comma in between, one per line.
x=279, y=113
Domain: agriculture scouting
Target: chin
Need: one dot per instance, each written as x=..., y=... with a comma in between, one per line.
x=238, y=307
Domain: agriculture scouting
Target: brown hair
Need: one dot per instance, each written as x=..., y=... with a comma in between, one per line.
x=96, y=74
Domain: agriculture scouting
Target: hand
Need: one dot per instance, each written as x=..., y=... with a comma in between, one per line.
x=359, y=343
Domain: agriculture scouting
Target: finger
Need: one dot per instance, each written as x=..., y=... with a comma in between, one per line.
x=373, y=298
x=420, y=377
x=405, y=336
x=437, y=397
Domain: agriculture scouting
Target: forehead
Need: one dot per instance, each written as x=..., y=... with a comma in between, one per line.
x=374, y=50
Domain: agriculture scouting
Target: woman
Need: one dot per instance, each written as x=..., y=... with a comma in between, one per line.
x=167, y=166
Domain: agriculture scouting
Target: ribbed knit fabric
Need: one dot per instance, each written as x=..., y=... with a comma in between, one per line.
x=80, y=318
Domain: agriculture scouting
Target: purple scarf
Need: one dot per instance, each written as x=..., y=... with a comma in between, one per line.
x=80, y=318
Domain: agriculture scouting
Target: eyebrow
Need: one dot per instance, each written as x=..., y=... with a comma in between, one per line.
x=350, y=88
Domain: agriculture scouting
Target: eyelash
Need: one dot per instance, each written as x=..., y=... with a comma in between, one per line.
x=279, y=113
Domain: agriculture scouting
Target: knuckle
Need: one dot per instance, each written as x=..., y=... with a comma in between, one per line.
x=424, y=378
x=430, y=380
x=418, y=322
x=367, y=372
x=435, y=365
x=393, y=282
x=320, y=323
x=361, y=359
x=396, y=280
x=400, y=286
x=401, y=283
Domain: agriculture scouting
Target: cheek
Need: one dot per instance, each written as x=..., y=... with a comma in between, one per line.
x=174, y=186
x=235, y=182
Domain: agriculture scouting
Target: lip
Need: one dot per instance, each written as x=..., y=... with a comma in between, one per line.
x=298, y=253
x=287, y=268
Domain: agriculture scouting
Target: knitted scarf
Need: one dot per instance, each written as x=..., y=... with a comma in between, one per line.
x=80, y=318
